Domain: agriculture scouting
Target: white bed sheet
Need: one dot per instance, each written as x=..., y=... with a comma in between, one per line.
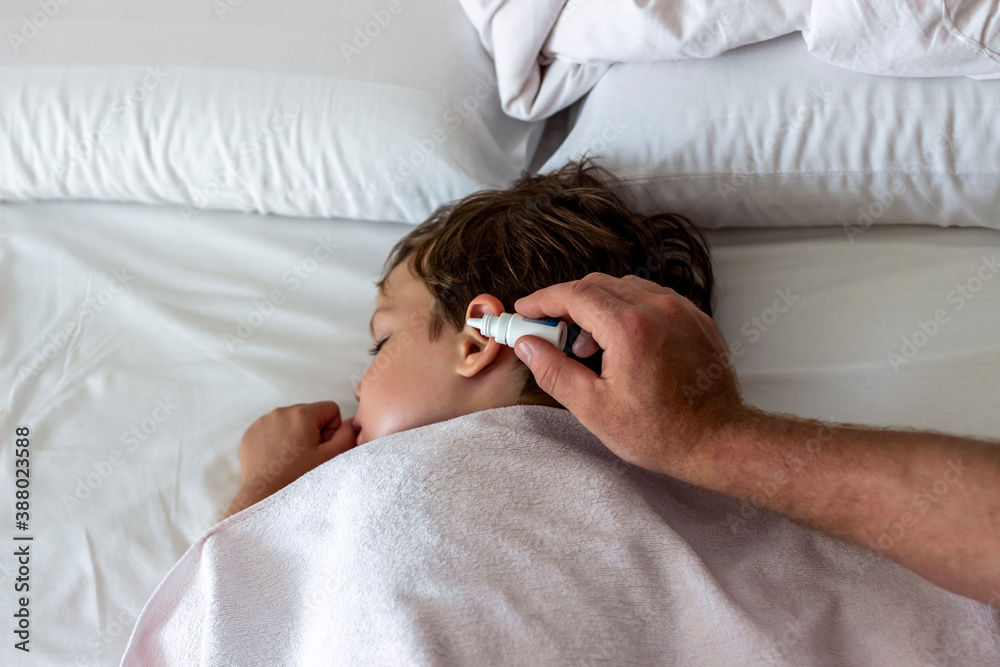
x=112, y=513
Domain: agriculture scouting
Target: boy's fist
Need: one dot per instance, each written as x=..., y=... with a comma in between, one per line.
x=285, y=444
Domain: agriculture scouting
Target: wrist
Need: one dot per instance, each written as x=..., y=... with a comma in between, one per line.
x=243, y=499
x=731, y=453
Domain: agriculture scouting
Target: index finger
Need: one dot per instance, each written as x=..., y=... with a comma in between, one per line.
x=585, y=303
x=325, y=413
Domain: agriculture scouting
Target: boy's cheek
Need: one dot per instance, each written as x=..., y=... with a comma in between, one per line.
x=386, y=423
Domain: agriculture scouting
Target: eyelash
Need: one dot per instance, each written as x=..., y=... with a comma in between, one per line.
x=377, y=346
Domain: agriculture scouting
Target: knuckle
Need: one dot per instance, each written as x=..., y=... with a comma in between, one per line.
x=587, y=282
x=669, y=304
x=645, y=285
x=635, y=281
x=670, y=291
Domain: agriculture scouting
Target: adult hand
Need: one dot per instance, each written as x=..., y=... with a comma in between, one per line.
x=285, y=444
x=650, y=405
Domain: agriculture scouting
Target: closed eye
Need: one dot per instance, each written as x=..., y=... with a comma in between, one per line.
x=377, y=346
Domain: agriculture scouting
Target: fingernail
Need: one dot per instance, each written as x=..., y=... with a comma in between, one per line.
x=523, y=352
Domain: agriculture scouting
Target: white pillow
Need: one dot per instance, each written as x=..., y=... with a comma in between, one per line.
x=378, y=109
x=767, y=135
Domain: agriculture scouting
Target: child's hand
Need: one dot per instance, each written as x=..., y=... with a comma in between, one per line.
x=285, y=444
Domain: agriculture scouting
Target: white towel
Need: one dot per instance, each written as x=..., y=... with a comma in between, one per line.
x=549, y=53
x=513, y=537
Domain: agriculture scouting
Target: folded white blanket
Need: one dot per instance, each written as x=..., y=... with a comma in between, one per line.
x=549, y=53
x=513, y=537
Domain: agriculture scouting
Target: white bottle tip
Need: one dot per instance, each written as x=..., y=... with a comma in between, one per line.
x=475, y=322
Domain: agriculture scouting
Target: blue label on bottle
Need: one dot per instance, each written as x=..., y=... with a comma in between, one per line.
x=547, y=321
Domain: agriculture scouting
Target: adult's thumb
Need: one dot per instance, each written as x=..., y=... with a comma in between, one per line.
x=564, y=379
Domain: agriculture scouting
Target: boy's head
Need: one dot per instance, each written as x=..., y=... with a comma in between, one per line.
x=480, y=255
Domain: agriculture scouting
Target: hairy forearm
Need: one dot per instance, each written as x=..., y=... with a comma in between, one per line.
x=928, y=501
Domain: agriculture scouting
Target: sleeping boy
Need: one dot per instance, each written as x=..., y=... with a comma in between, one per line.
x=470, y=258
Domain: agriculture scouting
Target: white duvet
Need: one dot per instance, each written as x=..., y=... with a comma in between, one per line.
x=549, y=53
x=513, y=537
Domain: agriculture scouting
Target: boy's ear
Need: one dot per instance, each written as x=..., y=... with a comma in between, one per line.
x=477, y=351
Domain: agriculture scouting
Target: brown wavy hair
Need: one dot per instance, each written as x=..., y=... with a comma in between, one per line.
x=543, y=230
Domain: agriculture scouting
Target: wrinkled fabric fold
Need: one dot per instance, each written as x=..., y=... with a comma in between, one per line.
x=549, y=54
x=512, y=536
